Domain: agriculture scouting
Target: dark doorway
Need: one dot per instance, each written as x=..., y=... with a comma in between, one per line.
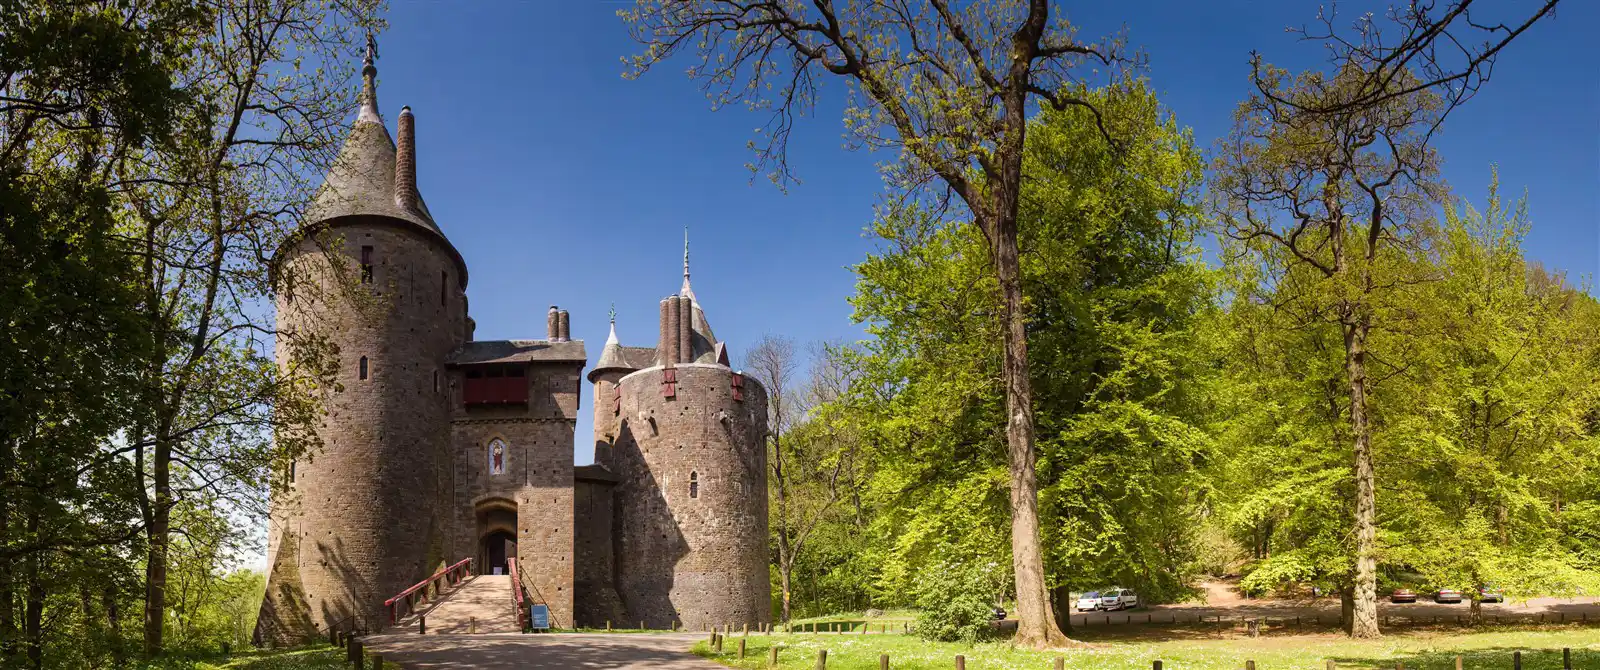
x=497, y=547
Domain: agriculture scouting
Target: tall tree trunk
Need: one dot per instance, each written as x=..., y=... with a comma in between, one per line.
x=1364, y=623
x=33, y=612
x=8, y=594
x=155, y=584
x=114, y=626
x=1036, y=621
x=1347, y=606
x=784, y=572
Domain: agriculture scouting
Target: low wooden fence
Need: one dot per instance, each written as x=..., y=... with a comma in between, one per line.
x=774, y=652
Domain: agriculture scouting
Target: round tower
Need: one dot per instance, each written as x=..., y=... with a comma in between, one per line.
x=691, y=500
x=374, y=277
x=607, y=372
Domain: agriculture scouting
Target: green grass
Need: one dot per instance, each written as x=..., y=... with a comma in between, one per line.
x=1183, y=650
x=318, y=657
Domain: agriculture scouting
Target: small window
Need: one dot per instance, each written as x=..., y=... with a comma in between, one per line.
x=366, y=266
x=291, y=472
x=363, y=367
x=694, y=484
x=444, y=283
x=435, y=381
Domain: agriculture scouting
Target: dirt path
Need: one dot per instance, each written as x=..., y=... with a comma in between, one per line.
x=507, y=651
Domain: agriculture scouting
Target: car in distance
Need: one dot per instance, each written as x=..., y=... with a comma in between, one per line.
x=1489, y=594
x=1089, y=602
x=1447, y=596
x=1118, y=599
x=1403, y=596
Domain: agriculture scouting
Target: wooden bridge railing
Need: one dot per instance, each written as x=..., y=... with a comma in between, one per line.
x=407, y=598
x=516, y=594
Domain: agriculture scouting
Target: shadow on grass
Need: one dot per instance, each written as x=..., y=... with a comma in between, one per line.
x=1491, y=657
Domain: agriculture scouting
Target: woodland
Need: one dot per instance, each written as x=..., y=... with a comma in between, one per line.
x=1098, y=353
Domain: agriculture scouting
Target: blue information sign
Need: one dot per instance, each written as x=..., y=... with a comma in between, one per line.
x=539, y=615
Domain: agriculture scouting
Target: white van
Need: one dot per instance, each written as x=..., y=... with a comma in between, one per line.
x=1118, y=599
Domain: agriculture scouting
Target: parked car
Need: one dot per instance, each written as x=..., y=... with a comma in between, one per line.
x=1089, y=602
x=1403, y=596
x=1489, y=594
x=1118, y=599
x=1447, y=596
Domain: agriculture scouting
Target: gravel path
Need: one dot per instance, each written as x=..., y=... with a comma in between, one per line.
x=496, y=651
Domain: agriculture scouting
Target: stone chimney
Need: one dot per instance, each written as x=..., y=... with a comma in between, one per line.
x=667, y=349
x=552, y=324
x=685, y=330
x=405, y=163
x=562, y=326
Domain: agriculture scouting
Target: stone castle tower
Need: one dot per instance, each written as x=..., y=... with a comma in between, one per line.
x=439, y=447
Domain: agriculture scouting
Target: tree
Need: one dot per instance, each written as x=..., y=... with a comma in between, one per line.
x=950, y=87
x=83, y=85
x=1116, y=300
x=1332, y=168
x=812, y=464
x=1501, y=437
x=207, y=212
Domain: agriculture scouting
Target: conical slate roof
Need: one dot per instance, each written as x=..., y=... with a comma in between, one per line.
x=361, y=181
x=611, y=356
x=705, y=342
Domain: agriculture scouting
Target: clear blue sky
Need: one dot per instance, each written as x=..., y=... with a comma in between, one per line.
x=562, y=183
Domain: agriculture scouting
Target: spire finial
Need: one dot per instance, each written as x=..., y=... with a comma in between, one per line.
x=369, y=83
x=686, y=290
x=613, y=314
x=372, y=51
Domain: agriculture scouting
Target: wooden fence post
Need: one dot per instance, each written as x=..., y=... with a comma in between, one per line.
x=1516, y=660
x=1155, y=665
x=358, y=657
x=822, y=659
x=1061, y=663
x=1330, y=665
x=1566, y=658
x=772, y=656
x=883, y=662
x=1458, y=663
x=377, y=662
x=472, y=624
x=741, y=647
x=961, y=662
x=1249, y=665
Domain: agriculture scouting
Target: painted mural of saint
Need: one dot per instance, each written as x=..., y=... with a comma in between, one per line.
x=497, y=457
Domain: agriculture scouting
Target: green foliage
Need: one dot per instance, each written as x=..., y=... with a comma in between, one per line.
x=955, y=602
x=1115, y=296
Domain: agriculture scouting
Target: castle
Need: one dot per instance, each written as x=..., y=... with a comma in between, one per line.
x=438, y=447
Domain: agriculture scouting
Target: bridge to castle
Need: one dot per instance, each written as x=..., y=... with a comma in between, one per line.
x=458, y=619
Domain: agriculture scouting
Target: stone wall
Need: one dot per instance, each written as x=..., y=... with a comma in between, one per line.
x=365, y=518
x=537, y=482
x=596, y=596
x=691, y=503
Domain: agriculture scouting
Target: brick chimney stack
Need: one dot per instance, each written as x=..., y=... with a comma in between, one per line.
x=552, y=324
x=405, y=163
x=563, y=326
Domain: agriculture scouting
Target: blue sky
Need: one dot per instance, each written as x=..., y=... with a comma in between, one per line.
x=562, y=183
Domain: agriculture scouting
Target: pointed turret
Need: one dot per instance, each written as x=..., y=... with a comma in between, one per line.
x=372, y=176
x=703, y=341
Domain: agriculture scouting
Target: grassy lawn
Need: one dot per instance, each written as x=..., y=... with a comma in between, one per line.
x=1428, y=650
x=319, y=657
